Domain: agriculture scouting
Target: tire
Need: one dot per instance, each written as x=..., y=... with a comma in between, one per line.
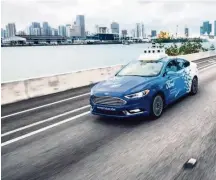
x=194, y=86
x=157, y=106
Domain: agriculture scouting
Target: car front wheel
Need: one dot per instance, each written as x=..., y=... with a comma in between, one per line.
x=157, y=106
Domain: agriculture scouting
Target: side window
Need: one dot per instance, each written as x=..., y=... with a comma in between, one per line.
x=186, y=63
x=180, y=64
x=183, y=63
x=171, y=66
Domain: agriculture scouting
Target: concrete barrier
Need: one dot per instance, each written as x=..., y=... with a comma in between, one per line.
x=13, y=91
x=29, y=88
x=21, y=90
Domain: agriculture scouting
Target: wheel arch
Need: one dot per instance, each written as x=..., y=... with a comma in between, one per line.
x=162, y=95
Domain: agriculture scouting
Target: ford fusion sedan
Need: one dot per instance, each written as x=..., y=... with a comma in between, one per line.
x=144, y=88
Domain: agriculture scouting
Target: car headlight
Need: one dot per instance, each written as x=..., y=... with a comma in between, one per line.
x=138, y=95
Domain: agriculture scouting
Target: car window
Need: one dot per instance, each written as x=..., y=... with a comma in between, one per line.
x=141, y=68
x=183, y=63
x=186, y=63
x=172, y=66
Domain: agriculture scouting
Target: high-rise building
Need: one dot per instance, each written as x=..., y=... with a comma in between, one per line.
x=124, y=33
x=153, y=33
x=68, y=27
x=143, y=31
x=138, y=30
x=206, y=28
x=97, y=28
x=46, y=30
x=35, y=25
x=80, y=21
x=54, y=32
x=186, y=32
x=201, y=30
x=11, y=29
x=75, y=31
x=115, y=28
x=62, y=31
x=21, y=33
x=35, y=31
x=133, y=32
x=2, y=33
x=215, y=28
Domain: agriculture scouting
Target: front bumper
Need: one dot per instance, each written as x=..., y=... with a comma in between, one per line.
x=133, y=108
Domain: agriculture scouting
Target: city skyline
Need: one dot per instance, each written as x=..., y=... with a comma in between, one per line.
x=162, y=14
x=77, y=29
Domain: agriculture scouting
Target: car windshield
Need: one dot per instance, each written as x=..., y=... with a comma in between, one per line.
x=141, y=68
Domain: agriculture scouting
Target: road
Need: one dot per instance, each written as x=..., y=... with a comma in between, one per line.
x=55, y=138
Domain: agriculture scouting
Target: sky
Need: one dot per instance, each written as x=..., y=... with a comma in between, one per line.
x=155, y=14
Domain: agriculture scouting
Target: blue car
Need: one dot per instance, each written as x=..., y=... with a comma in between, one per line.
x=144, y=87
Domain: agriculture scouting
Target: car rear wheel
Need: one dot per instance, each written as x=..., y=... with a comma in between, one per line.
x=157, y=106
x=194, y=86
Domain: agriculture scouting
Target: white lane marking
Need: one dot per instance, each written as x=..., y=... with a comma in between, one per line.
x=43, y=121
x=42, y=106
x=202, y=68
x=43, y=129
x=205, y=60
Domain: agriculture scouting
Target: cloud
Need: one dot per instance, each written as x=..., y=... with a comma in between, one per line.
x=155, y=14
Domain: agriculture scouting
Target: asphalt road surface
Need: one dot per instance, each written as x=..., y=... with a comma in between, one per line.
x=55, y=138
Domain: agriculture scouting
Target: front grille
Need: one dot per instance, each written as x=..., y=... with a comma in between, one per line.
x=107, y=100
x=115, y=113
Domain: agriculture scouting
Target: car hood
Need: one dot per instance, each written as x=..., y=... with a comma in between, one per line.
x=122, y=85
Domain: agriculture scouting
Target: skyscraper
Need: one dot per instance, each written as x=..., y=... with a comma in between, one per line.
x=80, y=21
x=133, y=32
x=207, y=27
x=54, y=32
x=62, y=31
x=115, y=28
x=153, y=33
x=124, y=33
x=201, y=30
x=35, y=25
x=215, y=28
x=138, y=31
x=143, y=31
x=68, y=27
x=2, y=33
x=75, y=31
x=11, y=29
x=186, y=32
x=46, y=29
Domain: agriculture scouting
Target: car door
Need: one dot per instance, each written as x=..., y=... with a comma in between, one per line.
x=184, y=74
x=173, y=80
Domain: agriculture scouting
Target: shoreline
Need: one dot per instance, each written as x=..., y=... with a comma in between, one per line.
x=101, y=43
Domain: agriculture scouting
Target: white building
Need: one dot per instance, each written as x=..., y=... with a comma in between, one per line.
x=35, y=31
x=80, y=21
x=54, y=32
x=115, y=28
x=68, y=33
x=75, y=31
x=143, y=31
x=62, y=30
x=138, y=30
x=11, y=29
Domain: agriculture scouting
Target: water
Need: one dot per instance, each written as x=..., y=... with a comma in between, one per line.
x=20, y=63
